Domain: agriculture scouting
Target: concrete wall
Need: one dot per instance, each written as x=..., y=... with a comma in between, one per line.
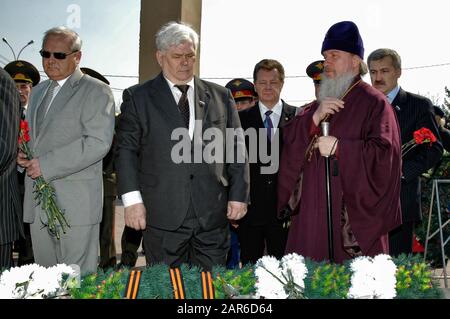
x=155, y=13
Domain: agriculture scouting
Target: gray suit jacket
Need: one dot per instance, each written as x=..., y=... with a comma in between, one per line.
x=74, y=136
x=10, y=208
x=144, y=155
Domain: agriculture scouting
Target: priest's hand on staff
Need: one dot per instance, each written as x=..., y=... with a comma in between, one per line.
x=327, y=145
x=328, y=106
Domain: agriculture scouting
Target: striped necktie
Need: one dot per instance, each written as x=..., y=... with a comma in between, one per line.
x=183, y=104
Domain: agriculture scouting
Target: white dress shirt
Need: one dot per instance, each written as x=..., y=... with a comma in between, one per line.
x=135, y=197
x=275, y=116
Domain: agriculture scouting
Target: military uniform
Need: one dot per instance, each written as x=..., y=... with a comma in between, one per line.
x=315, y=70
x=23, y=71
x=243, y=92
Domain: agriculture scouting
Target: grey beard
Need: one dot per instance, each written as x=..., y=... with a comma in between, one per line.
x=335, y=87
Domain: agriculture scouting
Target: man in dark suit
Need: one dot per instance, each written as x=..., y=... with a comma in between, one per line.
x=413, y=113
x=260, y=231
x=444, y=132
x=177, y=186
x=10, y=207
x=26, y=76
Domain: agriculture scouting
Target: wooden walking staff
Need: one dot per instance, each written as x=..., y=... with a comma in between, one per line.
x=325, y=125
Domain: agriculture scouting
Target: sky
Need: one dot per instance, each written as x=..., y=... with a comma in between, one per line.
x=292, y=31
x=109, y=30
x=236, y=34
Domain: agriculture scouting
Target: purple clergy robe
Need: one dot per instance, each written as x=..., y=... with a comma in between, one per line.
x=365, y=183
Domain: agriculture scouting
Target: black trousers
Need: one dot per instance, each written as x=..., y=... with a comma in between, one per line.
x=188, y=244
x=130, y=242
x=25, y=247
x=401, y=239
x=257, y=241
x=6, y=256
x=107, y=245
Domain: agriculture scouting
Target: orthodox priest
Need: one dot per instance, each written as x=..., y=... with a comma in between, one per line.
x=365, y=152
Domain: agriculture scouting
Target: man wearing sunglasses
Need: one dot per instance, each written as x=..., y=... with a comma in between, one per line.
x=71, y=119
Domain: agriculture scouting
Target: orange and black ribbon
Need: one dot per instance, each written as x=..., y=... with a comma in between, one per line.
x=207, y=285
x=177, y=283
x=132, y=287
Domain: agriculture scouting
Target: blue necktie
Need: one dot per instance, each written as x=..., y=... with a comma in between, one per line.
x=268, y=125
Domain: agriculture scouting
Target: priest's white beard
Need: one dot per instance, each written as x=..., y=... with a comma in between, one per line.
x=335, y=87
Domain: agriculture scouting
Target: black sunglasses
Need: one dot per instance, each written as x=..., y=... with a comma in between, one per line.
x=56, y=55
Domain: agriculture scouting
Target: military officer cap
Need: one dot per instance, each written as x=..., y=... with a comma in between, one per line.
x=241, y=88
x=94, y=74
x=23, y=71
x=314, y=71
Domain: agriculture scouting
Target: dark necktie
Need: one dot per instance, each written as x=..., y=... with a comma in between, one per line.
x=268, y=125
x=183, y=104
x=22, y=113
x=42, y=110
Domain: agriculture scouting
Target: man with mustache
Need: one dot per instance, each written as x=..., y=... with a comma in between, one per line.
x=364, y=148
x=413, y=112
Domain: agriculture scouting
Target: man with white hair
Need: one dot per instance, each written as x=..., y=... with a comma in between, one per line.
x=71, y=118
x=364, y=150
x=182, y=205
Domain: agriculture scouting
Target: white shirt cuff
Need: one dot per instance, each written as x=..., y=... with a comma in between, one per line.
x=131, y=198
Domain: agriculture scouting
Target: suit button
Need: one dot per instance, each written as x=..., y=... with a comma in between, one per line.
x=269, y=182
x=191, y=176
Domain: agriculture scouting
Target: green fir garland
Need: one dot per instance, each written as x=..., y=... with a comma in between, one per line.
x=324, y=281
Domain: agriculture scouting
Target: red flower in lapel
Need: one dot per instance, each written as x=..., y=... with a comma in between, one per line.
x=45, y=193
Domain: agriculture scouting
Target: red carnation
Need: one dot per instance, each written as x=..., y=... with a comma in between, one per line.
x=424, y=135
x=421, y=136
x=45, y=193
